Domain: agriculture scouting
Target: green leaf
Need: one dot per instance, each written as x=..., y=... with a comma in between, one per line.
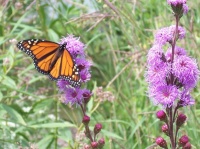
x=9, y=82
x=44, y=143
x=15, y=116
x=1, y=96
x=52, y=35
x=54, y=125
x=41, y=104
x=90, y=105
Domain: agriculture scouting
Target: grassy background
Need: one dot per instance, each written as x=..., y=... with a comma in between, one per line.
x=117, y=37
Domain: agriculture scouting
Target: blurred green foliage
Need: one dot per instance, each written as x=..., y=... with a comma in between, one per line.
x=117, y=39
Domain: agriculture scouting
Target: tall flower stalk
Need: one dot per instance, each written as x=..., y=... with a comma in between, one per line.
x=80, y=96
x=171, y=75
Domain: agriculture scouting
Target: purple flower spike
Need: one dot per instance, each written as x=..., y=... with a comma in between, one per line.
x=76, y=49
x=171, y=76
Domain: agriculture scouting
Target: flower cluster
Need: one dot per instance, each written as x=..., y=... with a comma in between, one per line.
x=77, y=95
x=171, y=75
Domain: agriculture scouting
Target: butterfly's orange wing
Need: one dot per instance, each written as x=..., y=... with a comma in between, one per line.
x=65, y=68
x=51, y=59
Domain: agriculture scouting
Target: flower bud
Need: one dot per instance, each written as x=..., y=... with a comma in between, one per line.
x=97, y=128
x=183, y=140
x=86, y=96
x=181, y=119
x=101, y=142
x=165, y=129
x=94, y=145
x=187, y=146
x=86, y=119
x=178, y=9
x=161, y=115
x=86, y=146
x=161, y=142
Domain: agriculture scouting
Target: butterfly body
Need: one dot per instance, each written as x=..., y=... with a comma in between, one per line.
x=52, y=59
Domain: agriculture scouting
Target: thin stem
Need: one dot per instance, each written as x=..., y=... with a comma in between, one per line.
x=176, y=133
x=171, y=114
x=171, y=133
x=56, y=129
x=87, y=130
x=83, y=109
x=88, y=133
x=94, y=137
x=174, y=38
x=175, y=111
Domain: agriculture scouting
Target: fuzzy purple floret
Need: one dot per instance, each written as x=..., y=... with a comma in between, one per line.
x=176, y=2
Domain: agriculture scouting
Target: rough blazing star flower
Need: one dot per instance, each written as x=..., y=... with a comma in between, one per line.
x=73, y=95
x=178, y=51
x=82, y=63
x=186, y=70
x=164, y=94
x=181, y=31
x=157, y=67
x=154, y=54
x=85, y=75
x=176, y=2
x=186, y=99
x=74, y=46
x=157, y=74
x=165, y=35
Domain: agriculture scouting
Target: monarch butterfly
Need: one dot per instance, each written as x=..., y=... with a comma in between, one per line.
x=52, y=59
